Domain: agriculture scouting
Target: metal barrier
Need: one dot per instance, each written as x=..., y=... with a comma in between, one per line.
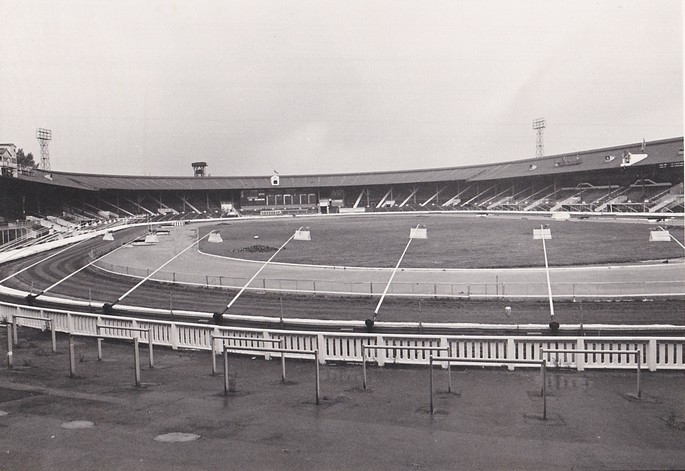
x=130, y=329
x=282, y=351
x=213, y=338
x=47, y=321
x=72, y=355
x=408, y=347
x=543, y=372
x=637, y=353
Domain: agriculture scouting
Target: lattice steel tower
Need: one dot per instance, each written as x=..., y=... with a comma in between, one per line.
x=44, y=137
x=539, y=126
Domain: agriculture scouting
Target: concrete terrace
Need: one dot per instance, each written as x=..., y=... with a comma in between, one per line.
x=491, y=421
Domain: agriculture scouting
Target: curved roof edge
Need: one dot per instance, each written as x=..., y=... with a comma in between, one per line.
x=662, y=151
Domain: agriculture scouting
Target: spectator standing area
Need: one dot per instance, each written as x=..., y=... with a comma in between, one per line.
x=490, y=420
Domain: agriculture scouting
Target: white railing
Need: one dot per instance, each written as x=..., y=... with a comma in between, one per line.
x=659, y=353
x=465, y=290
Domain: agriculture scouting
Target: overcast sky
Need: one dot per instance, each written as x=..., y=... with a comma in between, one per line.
x=320, y=86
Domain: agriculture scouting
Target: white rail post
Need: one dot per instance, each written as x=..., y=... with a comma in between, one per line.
x=580, y=357
x=380, y=353
x=10, y=360
x=173, y=336
x=265, y=335
x=136, y=359
x=511, y=351
x=149, y=344
x=14, y=330
x=651, y=355
x=321, y=347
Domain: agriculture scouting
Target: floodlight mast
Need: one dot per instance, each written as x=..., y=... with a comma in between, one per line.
x=44, y=137
x=539, y=125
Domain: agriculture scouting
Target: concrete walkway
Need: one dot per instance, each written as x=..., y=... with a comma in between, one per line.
x=493, y=421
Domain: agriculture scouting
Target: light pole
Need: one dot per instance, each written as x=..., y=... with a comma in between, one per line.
x=543, y=234
x=302, y=233
x=418, y=232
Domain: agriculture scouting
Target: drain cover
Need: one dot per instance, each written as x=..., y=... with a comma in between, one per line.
x=78, y=424
x=175, y=437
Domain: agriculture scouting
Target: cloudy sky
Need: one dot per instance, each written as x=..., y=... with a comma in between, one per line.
x=321, y=86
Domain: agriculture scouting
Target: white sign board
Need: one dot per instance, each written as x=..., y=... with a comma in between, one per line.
x=418, y=233
x=545, y=233
x=303, y=234
x=215, y=238
x=561, y=216
x=659, y=236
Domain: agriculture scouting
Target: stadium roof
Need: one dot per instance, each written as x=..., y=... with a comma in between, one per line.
x=663, y=151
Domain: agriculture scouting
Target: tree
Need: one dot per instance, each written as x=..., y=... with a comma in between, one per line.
x=25, y=160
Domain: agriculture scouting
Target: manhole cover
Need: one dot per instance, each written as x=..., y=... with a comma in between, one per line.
x=176, y=437
x=78, y=424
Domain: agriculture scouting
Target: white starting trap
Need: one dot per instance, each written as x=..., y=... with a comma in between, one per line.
x=542, y=233
x=659, y=236
x=303, y=234
x=419, y=232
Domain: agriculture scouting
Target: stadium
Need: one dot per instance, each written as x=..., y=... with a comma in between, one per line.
x=156, y=259
x=602, y=206
x=316, y=235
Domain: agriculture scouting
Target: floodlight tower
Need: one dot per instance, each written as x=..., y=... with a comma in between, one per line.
x=44, y=137
x=539, y=126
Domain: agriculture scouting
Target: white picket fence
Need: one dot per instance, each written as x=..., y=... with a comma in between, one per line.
x=658, y=353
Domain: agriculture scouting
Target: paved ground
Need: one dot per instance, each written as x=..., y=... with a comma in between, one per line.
x=492, y=422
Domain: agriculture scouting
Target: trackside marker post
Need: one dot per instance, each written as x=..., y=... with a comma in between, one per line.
x=418, y=232
x=32, y=297
x=109, y=306
x=302, y=233
x=543, y=234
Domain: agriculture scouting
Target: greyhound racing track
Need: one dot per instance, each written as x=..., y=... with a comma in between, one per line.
x=106, y=287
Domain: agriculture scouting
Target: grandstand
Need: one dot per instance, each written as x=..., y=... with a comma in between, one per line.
x=645, y=177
